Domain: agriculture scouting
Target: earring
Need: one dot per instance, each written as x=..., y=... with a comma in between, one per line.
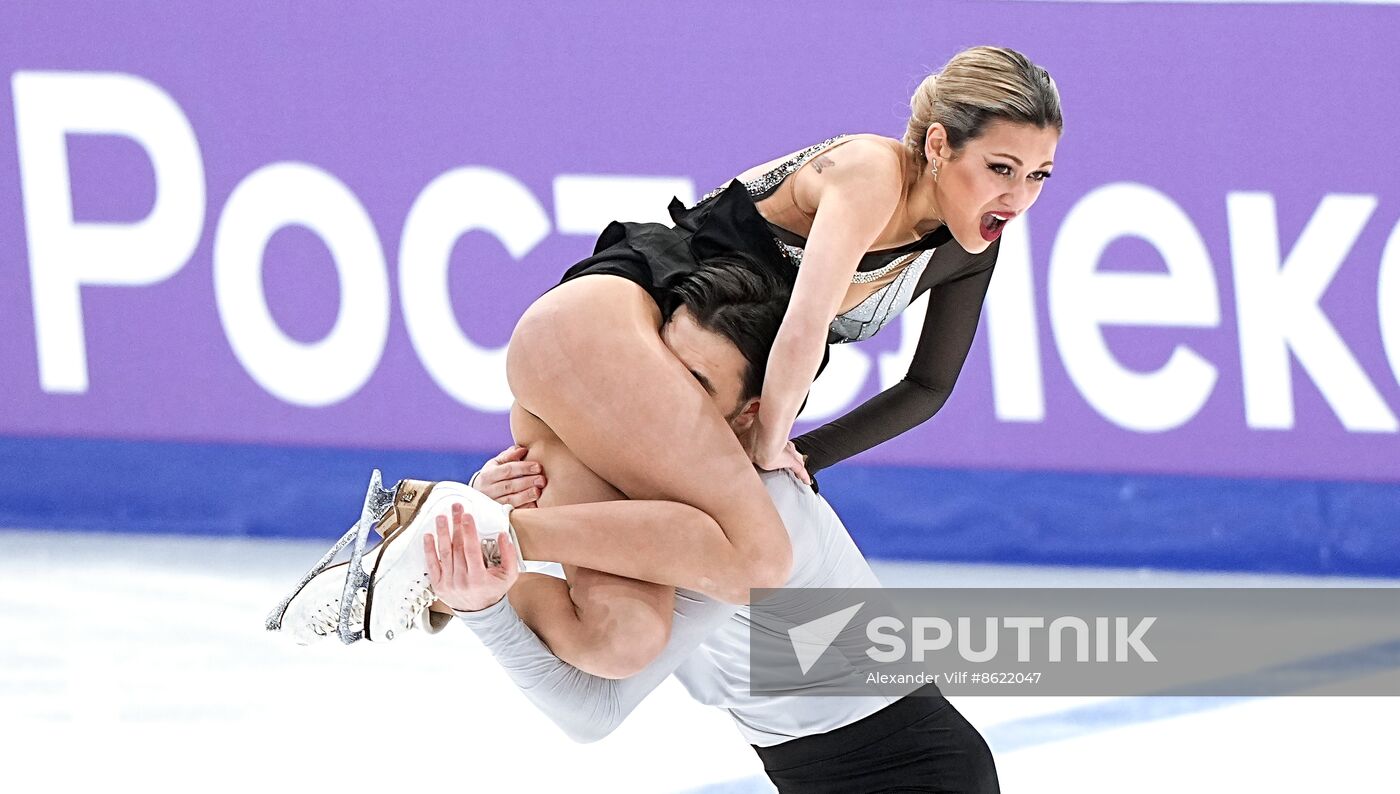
x=933, y=169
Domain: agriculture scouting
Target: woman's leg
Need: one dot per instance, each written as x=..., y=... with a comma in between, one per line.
x=603, y=624
x=588, y=360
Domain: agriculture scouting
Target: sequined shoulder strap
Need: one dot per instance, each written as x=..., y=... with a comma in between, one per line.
x=767, y=182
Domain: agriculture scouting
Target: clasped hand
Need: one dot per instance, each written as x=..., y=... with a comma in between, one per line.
x=460, y=577
x=786, y=457
x=511, y=480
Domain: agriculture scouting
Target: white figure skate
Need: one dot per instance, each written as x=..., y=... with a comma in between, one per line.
x=391, y=597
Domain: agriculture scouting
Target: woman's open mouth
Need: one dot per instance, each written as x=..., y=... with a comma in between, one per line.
x=993, y=223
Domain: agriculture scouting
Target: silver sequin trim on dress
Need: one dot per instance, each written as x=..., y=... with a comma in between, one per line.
x=871, y=314
x=781, y=171
x=871, y=276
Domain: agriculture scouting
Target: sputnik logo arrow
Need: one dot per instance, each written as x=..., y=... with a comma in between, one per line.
x=811, y=639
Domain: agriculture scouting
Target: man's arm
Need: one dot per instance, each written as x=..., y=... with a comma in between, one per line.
x=588, y=707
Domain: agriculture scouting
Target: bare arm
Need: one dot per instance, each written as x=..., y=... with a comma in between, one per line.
x=855, y=194
x=622, y=538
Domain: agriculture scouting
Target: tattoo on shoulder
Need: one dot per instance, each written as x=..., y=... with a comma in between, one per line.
x=822, y=163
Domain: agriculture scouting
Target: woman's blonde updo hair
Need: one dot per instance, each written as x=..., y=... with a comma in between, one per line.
x=978, y=86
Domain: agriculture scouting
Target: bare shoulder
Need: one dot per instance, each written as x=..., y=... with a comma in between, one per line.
x=861, y=157
x=871, y=164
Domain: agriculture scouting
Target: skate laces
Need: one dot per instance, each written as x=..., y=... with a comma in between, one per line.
x=418, y=597
x=325, y=619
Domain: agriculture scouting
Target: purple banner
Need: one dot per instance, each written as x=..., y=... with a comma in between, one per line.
x=313, y=226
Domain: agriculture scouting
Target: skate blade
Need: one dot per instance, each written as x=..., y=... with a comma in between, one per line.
x=377, y=501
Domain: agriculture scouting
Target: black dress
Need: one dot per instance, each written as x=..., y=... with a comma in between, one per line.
x=653, y=254
x=727, y=220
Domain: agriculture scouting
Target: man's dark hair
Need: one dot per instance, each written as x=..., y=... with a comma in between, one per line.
x=738, y=299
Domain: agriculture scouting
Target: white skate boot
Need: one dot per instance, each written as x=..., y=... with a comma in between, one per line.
x=343, y=599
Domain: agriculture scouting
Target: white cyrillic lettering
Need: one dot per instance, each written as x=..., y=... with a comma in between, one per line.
x=64, y=255
x=1013, y=338
x=1388, y=300
x=335, y=367
x=457, y=202
x=1278, y=312
x=586, y=203
x=1083, y=300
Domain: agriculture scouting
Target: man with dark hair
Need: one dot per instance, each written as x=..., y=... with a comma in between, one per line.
x=720, y=323
x=737, y=300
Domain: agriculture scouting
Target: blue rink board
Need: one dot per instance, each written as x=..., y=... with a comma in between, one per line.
x=1043, y=518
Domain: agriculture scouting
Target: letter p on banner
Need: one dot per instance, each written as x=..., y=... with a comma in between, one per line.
x=65, y=255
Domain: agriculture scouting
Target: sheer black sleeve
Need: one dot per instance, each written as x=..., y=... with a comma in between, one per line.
x=954, y=308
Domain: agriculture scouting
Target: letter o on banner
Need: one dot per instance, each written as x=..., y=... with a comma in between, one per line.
x=335, y=367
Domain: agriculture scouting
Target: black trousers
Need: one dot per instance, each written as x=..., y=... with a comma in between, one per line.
x=916, y=744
